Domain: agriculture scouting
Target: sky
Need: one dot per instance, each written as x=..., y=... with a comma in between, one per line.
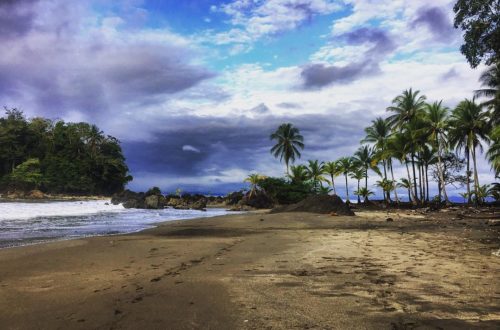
x=194, y=88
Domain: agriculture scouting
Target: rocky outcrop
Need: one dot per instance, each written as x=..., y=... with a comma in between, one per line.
x=324, y=204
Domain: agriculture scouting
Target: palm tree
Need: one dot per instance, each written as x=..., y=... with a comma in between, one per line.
x=436, y=116
x=491, y=80
x=358, y=173
x=494, y=150
x=378, y=134
x=469, y=121
x=254, y=180
x=386, y=185
x=315, y=171
x=398, y=147
x=298, y=173
x=364, y=192
x=428, y=157
x=406, y=107
x=332, y=169
x=288, y=143
x=345, y=165
x=464, y=195
x=405, y=183
x=364, y=156
x=481, y=193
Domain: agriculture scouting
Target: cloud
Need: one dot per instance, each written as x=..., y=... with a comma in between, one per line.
x=318, y=75
x=239, y=143
x=254, y=19
x=435, y=19
x=289, y=105
x=62, y=65
x=260, y=109
x=16, y=18
x=190, y=148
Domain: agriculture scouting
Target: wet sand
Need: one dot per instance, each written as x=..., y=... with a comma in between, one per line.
x=262, y=271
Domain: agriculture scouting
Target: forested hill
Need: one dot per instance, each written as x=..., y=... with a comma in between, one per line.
x=59, y=157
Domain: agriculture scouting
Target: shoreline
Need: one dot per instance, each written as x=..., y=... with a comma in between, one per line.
x=258, y=270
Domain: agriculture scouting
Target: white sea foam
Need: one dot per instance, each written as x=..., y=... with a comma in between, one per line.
x=24, y=223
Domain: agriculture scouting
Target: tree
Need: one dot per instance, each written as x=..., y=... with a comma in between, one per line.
x=469, y=121
x=406, y=108
x=315, y=171
x=364, y=156
x=480, y=20
x=378, y=134
x=490, y=79
x=358, y=174
x=405, y=183
x=254, y=180
x=27, y=175
x=288, y=143
x=436, y=117
x=364, y=192
x=494, y=150
x=345, y=165
x=298, y=173
x=386, y=185
x=332, y=169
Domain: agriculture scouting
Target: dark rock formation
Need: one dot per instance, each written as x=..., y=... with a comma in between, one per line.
x=324, y=204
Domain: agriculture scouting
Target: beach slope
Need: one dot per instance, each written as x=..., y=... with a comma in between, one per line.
x=258, y=270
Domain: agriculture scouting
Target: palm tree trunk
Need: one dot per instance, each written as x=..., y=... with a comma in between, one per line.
x=467, y=151
x=441, y=174
x=366, y=182
x=415, y=193
x=346, y=190
x=419, y=168
x=476, y=178
x=359, y=199
x=333, y=185
x=386, y=194
x=393, y=182
x=413, y=198
x=427, y=180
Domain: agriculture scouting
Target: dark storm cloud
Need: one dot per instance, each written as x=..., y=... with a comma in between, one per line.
x=436, y=20
x=16, y=17
x=56, y=70
x=234, y=143
x=318, y=75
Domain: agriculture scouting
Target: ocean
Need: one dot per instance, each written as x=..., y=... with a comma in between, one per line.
x=23, y=223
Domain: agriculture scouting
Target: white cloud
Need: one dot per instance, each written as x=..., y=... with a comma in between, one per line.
x=190, y=148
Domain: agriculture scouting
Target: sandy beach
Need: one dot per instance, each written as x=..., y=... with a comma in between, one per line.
x=262, y=271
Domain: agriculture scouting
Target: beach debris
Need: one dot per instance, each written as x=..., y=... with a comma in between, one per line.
x=389, y=219
x=333, y=214
x=261, y=219
x=494, y=222
x=496, y=253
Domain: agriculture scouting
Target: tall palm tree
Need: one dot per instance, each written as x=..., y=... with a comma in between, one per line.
x=436, y=117
x=298, y=173
x=288, y=143
x=332, y=169
x=491, y=80
x=358, y=173
x=315, y=171
x=364, y=156
x=428, y=157
x=406, y=107
x=378, y=134
x=399, y=146
x=345, y=165
x=470, y=121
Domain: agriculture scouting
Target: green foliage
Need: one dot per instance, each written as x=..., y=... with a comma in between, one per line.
x=286, y=192
x=288, y=142
x=26, y=175
x=72, y=158
x=480, y=20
